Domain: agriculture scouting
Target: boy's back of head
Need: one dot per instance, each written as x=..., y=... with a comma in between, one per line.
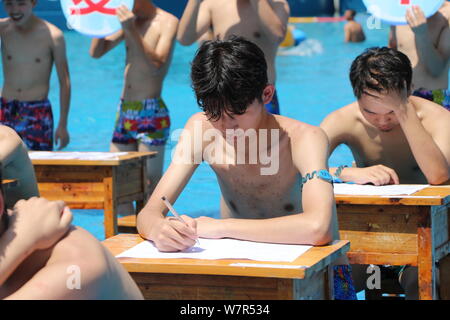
x=228, y=75
x=349, y=15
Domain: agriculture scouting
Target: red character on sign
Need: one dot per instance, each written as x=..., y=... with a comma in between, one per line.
x=405, y=2
x=92, y=7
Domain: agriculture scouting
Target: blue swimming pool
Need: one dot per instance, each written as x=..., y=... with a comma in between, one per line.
x=311, y=82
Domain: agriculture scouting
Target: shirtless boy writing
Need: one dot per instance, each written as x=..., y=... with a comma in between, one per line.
x=262, y=201
x=30, y=47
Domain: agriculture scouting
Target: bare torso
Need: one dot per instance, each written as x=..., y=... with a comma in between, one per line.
x=355, y=32
x=406, y=43
x=27, y=61
x=76, y=246
x=142, y=80
x=372, y=147
x=249, y=194
x=239, y=18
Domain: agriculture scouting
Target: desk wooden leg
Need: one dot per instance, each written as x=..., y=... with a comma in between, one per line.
x=425, y=260
x=110, y=209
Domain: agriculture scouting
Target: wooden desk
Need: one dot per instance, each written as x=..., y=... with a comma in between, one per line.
x=308, y=277
x=95, y=184
x=410, y=230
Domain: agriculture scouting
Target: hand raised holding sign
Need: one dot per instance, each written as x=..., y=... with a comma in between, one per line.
x=126, y=17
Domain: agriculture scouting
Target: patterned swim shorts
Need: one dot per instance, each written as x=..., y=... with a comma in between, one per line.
x=144, y=122
x=344, y=288
x=32, y=120
x=441, y=97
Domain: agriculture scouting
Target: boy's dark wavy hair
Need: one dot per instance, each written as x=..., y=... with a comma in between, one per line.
x=227, y=76
x=380, y=69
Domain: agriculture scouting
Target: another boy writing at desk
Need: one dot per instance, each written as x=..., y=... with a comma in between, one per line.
x=30, y=47
x=394, y=137
x=263, y=200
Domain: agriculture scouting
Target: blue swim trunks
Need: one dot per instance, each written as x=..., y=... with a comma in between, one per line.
x=144, y=122
x=344, y=288
x=441, y=97
x=273, y=106
x=32, y=120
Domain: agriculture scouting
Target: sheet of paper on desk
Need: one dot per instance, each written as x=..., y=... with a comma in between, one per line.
x=369, y=190
x=39, y=155
x=212, y=249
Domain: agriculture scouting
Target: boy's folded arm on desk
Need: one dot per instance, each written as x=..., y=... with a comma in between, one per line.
x=377, y=175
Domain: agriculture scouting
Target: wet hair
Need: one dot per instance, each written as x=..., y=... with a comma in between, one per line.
x=382, y=70
x=227, y=76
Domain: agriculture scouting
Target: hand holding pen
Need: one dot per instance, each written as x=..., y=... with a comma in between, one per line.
x=176, y=215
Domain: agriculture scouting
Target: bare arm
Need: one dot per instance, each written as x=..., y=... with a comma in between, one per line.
x=22, y=237
x=338, y=128
x=169, y=234
x=158, y=56
x=194, y=23
x=432, y=153
x=273, y=16
x=435, y=58
x=100, y=46
x=59, y=54
x=313, y=226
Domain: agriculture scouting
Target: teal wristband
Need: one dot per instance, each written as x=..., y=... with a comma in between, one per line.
x=339, y=170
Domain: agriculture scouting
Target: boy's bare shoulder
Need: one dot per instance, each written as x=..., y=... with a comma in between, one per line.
x=430, y=113
x=299, y=131
x=348, y=115
x=8, y=137
x=168, y=17
x=55, y=32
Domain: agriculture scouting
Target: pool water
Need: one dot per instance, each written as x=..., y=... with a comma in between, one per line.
x=311, y=83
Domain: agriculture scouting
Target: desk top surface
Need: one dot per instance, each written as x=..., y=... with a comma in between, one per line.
x=430, y=196
x=122, y=159
x=315, y=259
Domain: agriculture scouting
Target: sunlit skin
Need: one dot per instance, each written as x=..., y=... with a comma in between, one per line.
x=426, y=42
x=394, y=138
x=31, y=46
x=373, y=107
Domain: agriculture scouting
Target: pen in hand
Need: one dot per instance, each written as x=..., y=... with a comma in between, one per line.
x=176, y=215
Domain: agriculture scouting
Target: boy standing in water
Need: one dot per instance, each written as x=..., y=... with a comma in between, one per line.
x=143, y=122
x=30, y=47
x=353, y=30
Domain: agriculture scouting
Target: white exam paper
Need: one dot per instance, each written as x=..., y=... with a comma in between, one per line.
x=46, y=155
x=213, y=249
x=369, y=190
